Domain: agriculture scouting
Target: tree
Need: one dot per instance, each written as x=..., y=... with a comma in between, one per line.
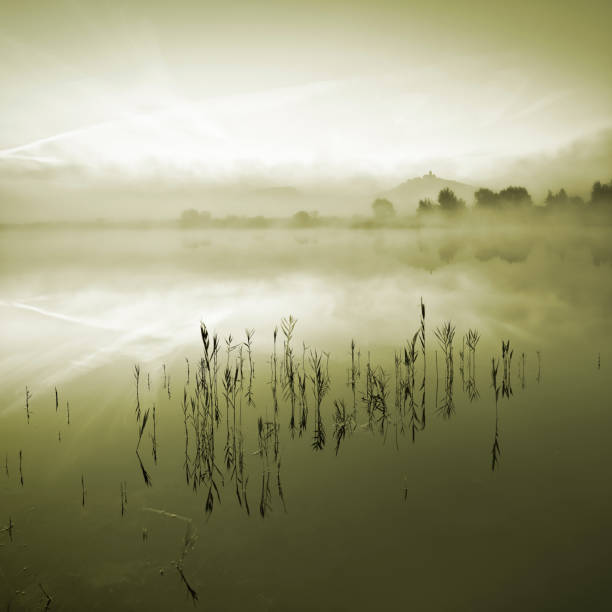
x=304, y=219
x=485, y=198
x=515, y=197
x=382, y=208
x=426, y=206
x=601, y=194
x=560, y=201
x=510, y=197
x=449, y=202
x=552, y=199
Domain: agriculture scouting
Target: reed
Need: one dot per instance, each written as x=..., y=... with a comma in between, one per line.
x=472, y=338
x=495, y=450
x=279, y=488
x=344, y=422
x=265, y=499
x=399, y=386
x=354, y=374
x=154, y=436
x=230, y=347
x=437, y=375
x=274, y=374
x=375, y=398
x=249, y=348
x=507, y=354
x=185, y=419
x=216, y=346
x=239, y=469
x=28, y=397
x=445, y=336
x=145, y=474
x=142, y=428
x=287, y=327
x=423, y=352
x=302, y=378
x=462, y=362
x=288, y=370
x=409, y=391
x=123, y=494
x=241, y=477
x=201, y=468
x=320, y=387
x=229, y=393
x=137, y=383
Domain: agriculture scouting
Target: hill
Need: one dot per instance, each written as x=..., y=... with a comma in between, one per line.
x=406, y=196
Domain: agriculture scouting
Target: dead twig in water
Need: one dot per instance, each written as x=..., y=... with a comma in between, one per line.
x=49, y=599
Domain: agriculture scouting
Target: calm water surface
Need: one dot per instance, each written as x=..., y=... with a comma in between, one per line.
x=485, y=505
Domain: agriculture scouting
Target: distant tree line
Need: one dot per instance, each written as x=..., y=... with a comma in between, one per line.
x=383, y=211
x=601, y=195
x=518, y=198
x=192, y=218
x=510, y=197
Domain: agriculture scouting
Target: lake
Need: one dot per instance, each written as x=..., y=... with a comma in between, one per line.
x=433, y=467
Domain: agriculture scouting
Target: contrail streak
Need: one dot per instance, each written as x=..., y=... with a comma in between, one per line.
x=59, y=315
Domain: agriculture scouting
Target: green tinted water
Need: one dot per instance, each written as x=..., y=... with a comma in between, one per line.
x=383, y=522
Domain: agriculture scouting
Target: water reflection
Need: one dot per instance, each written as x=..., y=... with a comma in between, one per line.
x=344, y=422
x=236, y=439
x=218, y=449
x=220, y=403
x=445, y=336
x=495, y=450
x=471, y=341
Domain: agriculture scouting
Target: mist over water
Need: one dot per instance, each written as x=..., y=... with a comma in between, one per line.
x=73, y=300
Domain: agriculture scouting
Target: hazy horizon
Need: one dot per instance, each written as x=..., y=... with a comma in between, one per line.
x=336, y=96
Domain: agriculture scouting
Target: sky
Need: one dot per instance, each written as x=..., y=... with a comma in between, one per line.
x=297, y=90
